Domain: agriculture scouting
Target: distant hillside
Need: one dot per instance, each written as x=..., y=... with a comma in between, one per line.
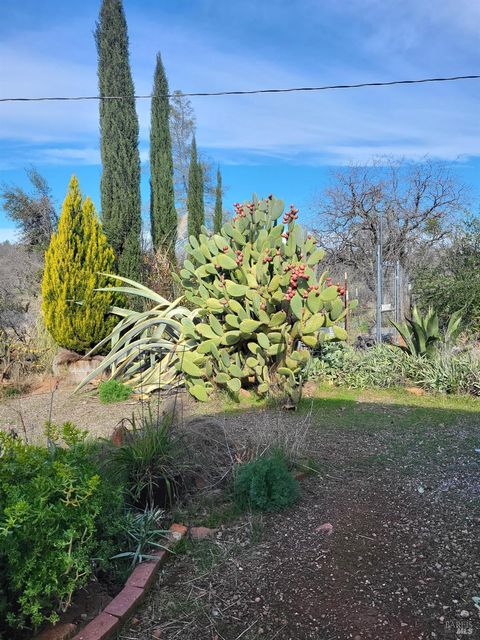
x=20, y=273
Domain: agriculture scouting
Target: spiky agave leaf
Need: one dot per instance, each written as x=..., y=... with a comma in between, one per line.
x=145, y=346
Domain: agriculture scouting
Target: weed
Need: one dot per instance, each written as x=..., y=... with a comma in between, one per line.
x=113, y=391
x=265, y=484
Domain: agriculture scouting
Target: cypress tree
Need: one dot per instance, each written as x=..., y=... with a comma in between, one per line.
x=163, y=217
x=218, y=212
x=195, y=204
x=120, y=184
x=78, y=251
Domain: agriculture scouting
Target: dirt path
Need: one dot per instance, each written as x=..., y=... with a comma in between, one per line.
x=402, y=560
x=28, y=414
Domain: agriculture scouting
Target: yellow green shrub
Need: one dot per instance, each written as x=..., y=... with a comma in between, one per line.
x=76, y=254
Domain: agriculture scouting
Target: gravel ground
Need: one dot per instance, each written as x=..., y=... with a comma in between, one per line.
x=401, y=561
x=28, y=414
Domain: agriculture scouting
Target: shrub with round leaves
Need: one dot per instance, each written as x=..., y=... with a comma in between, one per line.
x=261, y=303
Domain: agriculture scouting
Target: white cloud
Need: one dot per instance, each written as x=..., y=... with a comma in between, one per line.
x=392, y=40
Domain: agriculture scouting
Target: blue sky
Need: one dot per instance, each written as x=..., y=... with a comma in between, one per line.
x=285, y=144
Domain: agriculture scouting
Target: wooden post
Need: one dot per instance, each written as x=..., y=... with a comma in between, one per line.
x=345, y=300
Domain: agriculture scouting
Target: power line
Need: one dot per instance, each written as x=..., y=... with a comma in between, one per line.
x=242, y=93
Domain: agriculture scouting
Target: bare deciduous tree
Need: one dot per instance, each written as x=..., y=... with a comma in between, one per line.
x=415, y=202
x=34, y=213
x=182, y=129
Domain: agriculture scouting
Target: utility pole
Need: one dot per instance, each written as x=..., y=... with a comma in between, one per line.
x=379, y=281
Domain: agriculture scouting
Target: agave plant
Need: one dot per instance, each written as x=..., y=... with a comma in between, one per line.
x=144, y=345
x=422, y=334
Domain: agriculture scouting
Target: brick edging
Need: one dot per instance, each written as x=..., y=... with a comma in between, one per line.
x=120, y=609
x=117, y=612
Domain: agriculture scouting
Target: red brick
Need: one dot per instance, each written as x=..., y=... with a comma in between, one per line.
x=126, y=602
x=144, y=574
x=100, y=628
x=177, y=531
x=58, y=632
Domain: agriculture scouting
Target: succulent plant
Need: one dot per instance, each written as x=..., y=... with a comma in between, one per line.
x=260, y=303
x=422, y=336
x=145, y=346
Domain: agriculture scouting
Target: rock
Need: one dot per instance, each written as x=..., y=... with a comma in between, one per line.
x=464, y=613
x=73, y=367
x=119, y=435
x=202, y=533
x=243, y=393
x=326, y=528
x=177, y=531
x=48, y=385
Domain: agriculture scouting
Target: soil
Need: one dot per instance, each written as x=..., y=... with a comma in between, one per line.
x=27, y=414
x=401, y=559
x=397, y=486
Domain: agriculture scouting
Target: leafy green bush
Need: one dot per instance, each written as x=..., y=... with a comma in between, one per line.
x=57, y=516
x=453, y=281
x=113, y=391
x=265, y=484
x=379, y=366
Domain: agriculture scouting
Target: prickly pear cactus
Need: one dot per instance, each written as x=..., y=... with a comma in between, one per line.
x=260, y=303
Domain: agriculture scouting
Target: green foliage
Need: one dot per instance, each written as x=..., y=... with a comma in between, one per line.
x=454, y=281
x=259, y=303
x=419, y=333
x=265, y=484
x=422, y=334
x=120, y=183
x=142, y=531
x=218, y=211
x=383, y=366
x=144, y=346
x=77, y=252
x=163, y=216
x=195, y=199
x=113, y=391
x=56, y=516
x=450, y=373
x=148, y=462
x=379, y=366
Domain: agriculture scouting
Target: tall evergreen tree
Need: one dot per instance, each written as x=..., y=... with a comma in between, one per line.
x=120, y=185
x=218, y=212
x=195, y=203
x=77, y=253
x=163, y=217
